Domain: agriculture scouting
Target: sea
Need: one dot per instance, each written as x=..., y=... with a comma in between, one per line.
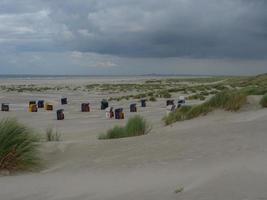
x=58, y=77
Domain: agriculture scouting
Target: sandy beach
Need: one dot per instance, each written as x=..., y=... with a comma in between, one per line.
x=133, y=100
x=218, y=156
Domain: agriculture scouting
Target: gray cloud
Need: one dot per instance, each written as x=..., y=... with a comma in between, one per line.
x=133, y=31
x=173, y=28
x=135, y=28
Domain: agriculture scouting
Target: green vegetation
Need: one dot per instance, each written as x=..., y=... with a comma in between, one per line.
x=35, y=88
x=263, y=101
x=152, y=99
x=178, y=115
x=179, y=190
x=164, y=94
x=196, y=96
x=227, y=100
x=52, y=136
x=135, y=126
x=18, y=146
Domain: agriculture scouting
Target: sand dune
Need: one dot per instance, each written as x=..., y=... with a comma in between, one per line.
x=218, y=156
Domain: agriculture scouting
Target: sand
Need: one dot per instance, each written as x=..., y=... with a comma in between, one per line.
x=219, y=156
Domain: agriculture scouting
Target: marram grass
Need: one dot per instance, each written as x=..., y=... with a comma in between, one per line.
x=227, y=100
x=135, y=126
x=18, y=146
x=263, y=101
x=52, y=136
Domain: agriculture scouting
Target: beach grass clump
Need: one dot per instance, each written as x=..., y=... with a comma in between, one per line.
x=152, y=98
x=227, y=100
x=198, y=110
x=196, y=97
x=255, y=90
x=179, y=190
x=52, y=136
x=164, y=94
x=135, y=126
x=18, y=146
x=263, y=101
x=179, y=115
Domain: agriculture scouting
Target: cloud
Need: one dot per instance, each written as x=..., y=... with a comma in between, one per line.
x=135, y=28
x=172, y=28
x=127, y=34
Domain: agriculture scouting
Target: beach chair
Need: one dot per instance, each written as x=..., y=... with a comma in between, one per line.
x=133, y=107
x=40, y=104
x=181, y=101
x=33, y=108
x=5, y=107
x=143, y=102
x=119, y=114
x=60, y=114
x=109, y=112
x=49, y=107
x=104, y=104
x=169, y=109
x=85, y=107
x=169, y=102
x=64, y=101
x=32, y=102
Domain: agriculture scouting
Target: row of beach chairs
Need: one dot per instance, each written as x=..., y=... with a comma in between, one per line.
x=171, y=106
x=85, y=107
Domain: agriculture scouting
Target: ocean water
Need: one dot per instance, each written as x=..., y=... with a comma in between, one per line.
x=57, y=77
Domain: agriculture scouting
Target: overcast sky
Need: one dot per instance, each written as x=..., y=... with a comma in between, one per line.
x=218, y=37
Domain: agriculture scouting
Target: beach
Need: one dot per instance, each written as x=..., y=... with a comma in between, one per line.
x=221, y=155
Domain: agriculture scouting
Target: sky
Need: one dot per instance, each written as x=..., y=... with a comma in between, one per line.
x=130, y=37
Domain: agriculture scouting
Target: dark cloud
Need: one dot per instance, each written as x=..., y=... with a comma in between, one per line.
x=135, y=30
x=173, y=28
x=151, y=28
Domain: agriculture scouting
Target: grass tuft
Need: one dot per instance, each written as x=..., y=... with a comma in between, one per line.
x=178, y=115
x=18, y=146
x=135, y=126
x=263, y=101
x=227, y=100
x=179, y=190
x=152, y=98
x=52, y=136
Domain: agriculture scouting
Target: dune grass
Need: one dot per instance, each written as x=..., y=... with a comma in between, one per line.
x=179, y=189
x=135, y=126
x=227, y=100
x=52, y=136
x=263, y=101
x=18, y=146
x=178, y=115
x=153, y=99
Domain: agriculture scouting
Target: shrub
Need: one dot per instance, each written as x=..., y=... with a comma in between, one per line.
x=52, y=136
x=135, y=126
x=263, y=101
x=18, y=146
